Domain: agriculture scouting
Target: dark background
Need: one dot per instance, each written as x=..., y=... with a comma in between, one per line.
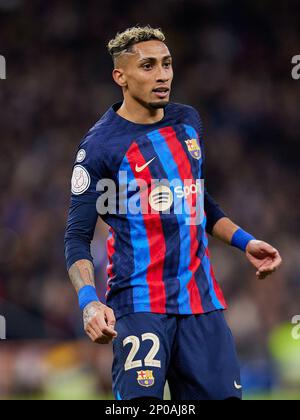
x=232, y=61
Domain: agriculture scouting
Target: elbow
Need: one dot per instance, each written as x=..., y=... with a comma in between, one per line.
x=76, y=248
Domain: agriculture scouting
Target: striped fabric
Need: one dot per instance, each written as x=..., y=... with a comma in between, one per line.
x=170, y=268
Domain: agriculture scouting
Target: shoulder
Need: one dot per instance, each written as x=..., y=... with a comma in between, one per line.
x=104, y=145
x=184, y=110
x=97, y=135
x=188, y=113
x=95, y=143
x=177, y=107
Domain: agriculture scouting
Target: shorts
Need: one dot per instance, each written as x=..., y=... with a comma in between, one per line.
x=194, y=353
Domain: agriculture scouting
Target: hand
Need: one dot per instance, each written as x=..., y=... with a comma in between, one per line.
x=99, y=323
x=264, y=257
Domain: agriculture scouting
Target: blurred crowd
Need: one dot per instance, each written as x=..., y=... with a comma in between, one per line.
x=232, y=62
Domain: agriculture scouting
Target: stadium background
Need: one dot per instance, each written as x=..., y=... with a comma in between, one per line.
x=233, y=63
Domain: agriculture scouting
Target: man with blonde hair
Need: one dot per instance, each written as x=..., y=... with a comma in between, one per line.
x=164, y=308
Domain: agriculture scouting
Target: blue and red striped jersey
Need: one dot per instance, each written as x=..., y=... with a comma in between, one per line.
x=158, y=261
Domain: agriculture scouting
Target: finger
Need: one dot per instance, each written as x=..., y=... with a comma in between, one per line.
x=278, y=261
x=89, y=329
x=270, y=263
x=264, y=264
x=95, y=328
x=264, y=274
x=267, y=269
x=110, y=318
x=104, y=328
x=268, y=248
x=110, y=332
x=94, y=325
x=272, y=266
x=261, y=276
x=97, y=338
x=104, y=340
x=91, y=334
x=270, y=269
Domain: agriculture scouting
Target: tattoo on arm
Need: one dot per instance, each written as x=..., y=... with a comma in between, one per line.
x=82, y=274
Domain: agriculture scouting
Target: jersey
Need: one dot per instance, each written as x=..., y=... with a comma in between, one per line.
x=159, y=261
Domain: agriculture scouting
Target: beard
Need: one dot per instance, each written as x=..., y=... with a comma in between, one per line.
x=158, y=105
x=151, y=105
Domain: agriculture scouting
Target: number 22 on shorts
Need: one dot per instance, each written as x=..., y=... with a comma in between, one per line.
x=136, y=344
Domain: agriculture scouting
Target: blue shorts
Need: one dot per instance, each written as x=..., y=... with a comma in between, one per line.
x=194, y=353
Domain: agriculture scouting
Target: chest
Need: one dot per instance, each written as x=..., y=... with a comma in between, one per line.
x=172, y=152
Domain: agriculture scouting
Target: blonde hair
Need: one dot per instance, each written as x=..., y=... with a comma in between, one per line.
x=124, y=41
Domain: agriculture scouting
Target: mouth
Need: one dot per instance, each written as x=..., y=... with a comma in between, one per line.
x=161, y=92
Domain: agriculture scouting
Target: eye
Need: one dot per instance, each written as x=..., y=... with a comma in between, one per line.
x=147, y=66
x=168, y=64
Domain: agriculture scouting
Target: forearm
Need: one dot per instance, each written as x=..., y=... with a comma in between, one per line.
x=213, y=212
x=79, y=233
x=230, y=233
x=99, y=320
x=224, y=230
x=82, y=274
x=82, y=277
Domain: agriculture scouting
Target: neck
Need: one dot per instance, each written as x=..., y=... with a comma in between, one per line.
x=134, y=112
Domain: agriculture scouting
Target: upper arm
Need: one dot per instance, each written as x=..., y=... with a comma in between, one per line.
x=88, y=170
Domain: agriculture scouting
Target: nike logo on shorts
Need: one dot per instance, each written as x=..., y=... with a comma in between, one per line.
x=237, y=386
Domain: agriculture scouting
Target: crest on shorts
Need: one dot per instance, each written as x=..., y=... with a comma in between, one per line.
x=145, y=378
x=194, y=148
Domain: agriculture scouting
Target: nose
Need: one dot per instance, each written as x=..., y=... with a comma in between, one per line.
x=163, y=75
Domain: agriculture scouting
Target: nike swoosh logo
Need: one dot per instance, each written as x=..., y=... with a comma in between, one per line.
x=237, y=386
x=141, y=168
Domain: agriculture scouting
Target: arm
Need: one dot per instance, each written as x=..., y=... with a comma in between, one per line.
x=262, y=255
x=99, y=320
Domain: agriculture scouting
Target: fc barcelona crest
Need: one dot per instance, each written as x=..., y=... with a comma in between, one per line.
x=145, y=378
x=194, y=148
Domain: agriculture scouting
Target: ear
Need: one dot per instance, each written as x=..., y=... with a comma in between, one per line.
x=119, y=77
